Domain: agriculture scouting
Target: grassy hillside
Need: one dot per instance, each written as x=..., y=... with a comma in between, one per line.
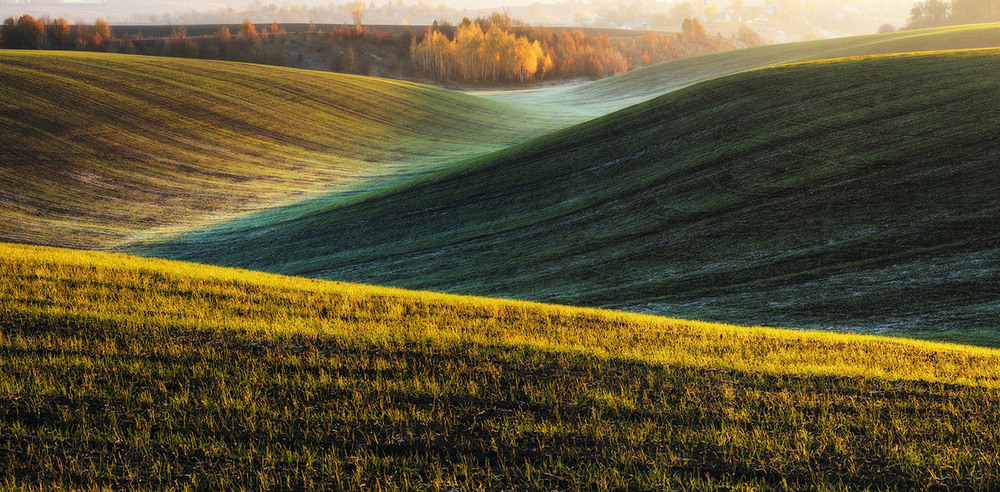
x=124, y=148
x=130, y=373
x=98, y=148
x=856, y=194
x=611, y=94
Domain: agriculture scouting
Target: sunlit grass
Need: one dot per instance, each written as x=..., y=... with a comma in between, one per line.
x=53, y=282
x=126, y=372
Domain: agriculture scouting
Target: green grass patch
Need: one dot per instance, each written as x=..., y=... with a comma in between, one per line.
x=101, y=149
x=120, y=372
x=856, y=194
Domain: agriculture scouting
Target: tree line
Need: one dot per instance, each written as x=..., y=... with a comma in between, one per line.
x=491, y=50
x=498, y=49
x=936, y=13
x=248, y=44
x=27, y=32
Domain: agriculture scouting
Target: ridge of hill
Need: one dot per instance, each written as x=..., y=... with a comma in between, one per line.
x=98, y=149
x=123, y=372
x=856, y=194
x=584, y=101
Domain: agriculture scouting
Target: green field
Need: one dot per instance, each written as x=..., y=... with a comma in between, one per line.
x=125, y=148
x=120, y=372
x=838, y=194
x=103, y=149
x=856, y=194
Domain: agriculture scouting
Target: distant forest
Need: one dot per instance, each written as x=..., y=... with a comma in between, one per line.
x=491, y=50
x=497, y=49
x=936, y=13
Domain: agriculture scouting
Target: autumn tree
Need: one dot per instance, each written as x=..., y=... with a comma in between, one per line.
x=83, y=36
x=547, y=63
x=527, y=56
x=566, y=54
x=442, y=50
x=248, y=30
x=24, y=33
x=470, y=48
x=180, y=46
x=58, y=33
x=358, y=14
x=477, y=54
x=102, y=33
x=499, y=56
x=693, y=29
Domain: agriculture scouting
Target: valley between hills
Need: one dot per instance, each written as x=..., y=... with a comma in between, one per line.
x=219, y=275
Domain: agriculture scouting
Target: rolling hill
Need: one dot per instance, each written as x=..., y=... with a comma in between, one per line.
x=124, y=149
x=856, y=194
x=603, y=96
x=120, y=372
x=98, y=149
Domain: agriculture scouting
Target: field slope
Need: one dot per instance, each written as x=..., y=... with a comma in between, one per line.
x=120, y=372
x=99, y=148
x=853, y=194
x=613, y=93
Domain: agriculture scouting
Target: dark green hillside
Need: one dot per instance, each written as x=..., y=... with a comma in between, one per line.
x=96, y=149
x=855, y=194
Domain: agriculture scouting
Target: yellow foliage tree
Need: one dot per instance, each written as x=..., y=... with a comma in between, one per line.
x=248, y=30
x=526, y=58
x=102, y=33
x=470, y=44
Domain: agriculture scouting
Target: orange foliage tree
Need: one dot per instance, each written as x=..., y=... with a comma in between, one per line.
x=476, y=55
x=24, y=33
x=497, y=49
